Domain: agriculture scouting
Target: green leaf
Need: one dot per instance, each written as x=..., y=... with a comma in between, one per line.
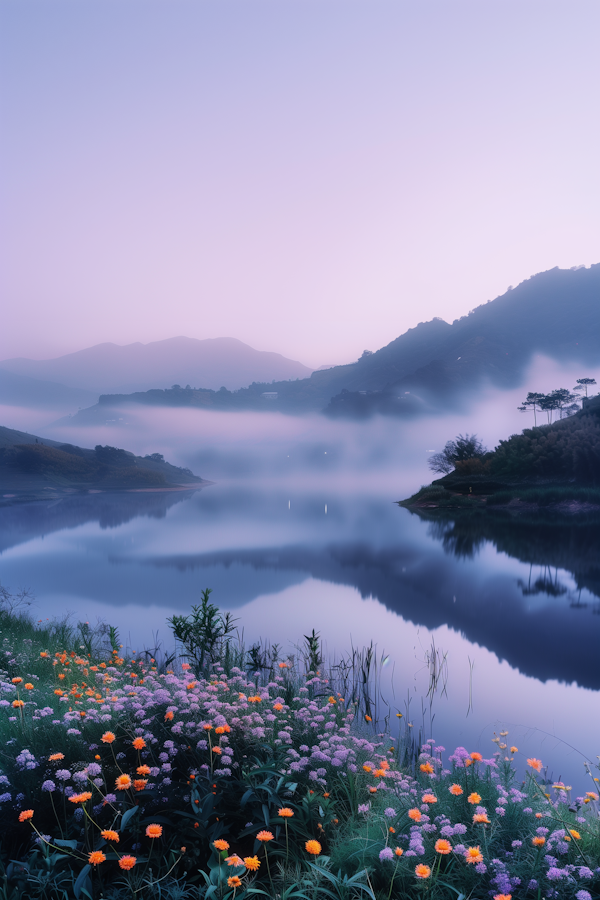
x=72, y=845
x=81, y=879
x=129, y=814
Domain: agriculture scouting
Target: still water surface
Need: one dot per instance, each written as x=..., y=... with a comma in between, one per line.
x=513, y=608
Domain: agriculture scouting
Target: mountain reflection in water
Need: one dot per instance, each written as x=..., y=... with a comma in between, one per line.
x=502, y=583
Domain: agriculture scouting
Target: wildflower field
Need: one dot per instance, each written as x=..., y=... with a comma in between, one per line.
x=231, y=773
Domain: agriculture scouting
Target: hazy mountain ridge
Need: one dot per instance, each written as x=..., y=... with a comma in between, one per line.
x=432, y=366
x=23, y=390
x=212, y=363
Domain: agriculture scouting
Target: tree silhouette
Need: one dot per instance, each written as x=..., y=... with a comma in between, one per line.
x=467, y=446
x=583, y=383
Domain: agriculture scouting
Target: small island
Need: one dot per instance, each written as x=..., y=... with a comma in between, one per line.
x=548, y=466
x=34, y=468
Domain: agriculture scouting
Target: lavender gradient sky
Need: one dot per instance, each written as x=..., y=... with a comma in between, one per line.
x=310, y=176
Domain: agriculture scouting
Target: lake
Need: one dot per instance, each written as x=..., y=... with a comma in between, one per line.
x=299, y=531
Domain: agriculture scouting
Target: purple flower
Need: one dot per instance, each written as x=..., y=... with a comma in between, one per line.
x=364, y=808
x=48, y=786
x=583, y=895
x=386, y=854
x=554, y=874
x=63, y=774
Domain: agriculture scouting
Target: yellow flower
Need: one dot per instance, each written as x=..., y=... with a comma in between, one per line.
x=252, y=863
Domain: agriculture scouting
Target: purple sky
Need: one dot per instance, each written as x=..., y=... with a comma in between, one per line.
x=310, y=176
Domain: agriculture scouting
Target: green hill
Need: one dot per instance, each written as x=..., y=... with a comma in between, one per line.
x=32, y=467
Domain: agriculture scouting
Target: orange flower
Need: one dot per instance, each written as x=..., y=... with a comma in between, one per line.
x=427, y=768
x=221, y=845
x=285, y=812
x=422, y=871
x=123, y=782
x=29, y=686
x=368, y=768
x=217, y=750
x=476, y=757
x=379, y=773
x=415, y=814
x=26, y=814
x=592, y=795
x=96, y=857
x=278, y=706
x=264, y=836
x=313, y=847
x=372, y=790
x=168, y=715
x=252, y=863
x=474, y=797
x=368, y=719
x=80, y=798
x=139, y=743
x=429, y=798
x=18, y=704
x=502, y=896
x=473, y=855
x=153, y=831
x=574, y=834
x=140, y=783
x=110, y=835
x=234, y=882
x=443, y=846
x=127, y=862
x=143, y=770
x=538, y=841
x=191, y=686
x=234, y=860
x=535, y=764
x=398, y=851
x=107, y=738
x=514, y=749
x=481, y=819
x=455, y=789
x=16, y=680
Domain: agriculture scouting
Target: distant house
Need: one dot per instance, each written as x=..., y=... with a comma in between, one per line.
x=270, y=395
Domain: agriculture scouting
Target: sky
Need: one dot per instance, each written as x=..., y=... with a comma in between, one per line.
x=309, y=176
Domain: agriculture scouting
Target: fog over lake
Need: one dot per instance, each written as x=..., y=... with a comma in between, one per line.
x=300, y=530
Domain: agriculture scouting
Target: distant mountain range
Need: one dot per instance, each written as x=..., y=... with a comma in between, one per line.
x=430, y=367
x=211, y=363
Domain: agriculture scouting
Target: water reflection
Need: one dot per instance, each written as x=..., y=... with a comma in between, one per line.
x=526, y=591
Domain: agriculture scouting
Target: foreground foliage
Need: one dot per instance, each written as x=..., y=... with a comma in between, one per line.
x=237, y=774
